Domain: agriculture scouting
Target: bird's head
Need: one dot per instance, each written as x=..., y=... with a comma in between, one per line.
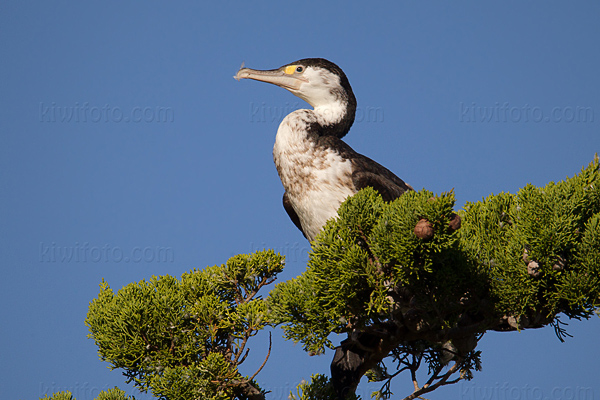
x=317, y=81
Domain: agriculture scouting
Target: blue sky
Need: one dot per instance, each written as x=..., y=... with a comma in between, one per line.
x=125, y=141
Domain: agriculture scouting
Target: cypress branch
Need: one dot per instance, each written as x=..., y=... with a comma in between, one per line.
x=412, y=284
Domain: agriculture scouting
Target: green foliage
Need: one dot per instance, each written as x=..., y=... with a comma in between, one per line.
x=556, y=229
x=517, y=262
x=59, y=396
x=399, y=276
x=185, y=338
x=319, y=388
x=110, y=394
x=360, y=260
x=114, y=394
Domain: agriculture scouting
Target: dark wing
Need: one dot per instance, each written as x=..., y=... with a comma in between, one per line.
x=291, y=212
x=368, y=173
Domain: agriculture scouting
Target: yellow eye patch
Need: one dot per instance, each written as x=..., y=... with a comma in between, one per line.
x=290, y=69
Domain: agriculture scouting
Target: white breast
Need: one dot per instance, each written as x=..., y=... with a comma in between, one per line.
x=316, y=179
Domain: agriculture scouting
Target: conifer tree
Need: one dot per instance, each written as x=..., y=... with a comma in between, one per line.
x=410, y=285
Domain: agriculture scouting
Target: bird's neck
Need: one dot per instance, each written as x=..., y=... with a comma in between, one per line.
x=334, y=118
x=297, y=149
x=316, y=178
x=295, y=137
x=298, y=132
x=301, y=128
x=330, y=113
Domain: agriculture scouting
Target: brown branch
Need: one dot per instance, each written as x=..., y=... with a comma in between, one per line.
x=250, y=295
x=240, y=349
x=245, y=387
x=172, y=346
x=365, y=348
x=264, y=362
x=147, y=342
x=244, y=356
x=371, y=254
x=429, y=387
x=414, y=366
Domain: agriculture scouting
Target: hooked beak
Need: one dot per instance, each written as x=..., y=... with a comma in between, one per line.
x=281, y=77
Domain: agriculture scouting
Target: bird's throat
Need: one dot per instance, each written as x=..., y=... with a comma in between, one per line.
x=316, y=178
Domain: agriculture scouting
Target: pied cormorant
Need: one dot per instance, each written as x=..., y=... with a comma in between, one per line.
x=318, y=170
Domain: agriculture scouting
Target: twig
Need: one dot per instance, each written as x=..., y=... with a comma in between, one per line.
x=428, y=387
x=368, y=248
x=264, y=362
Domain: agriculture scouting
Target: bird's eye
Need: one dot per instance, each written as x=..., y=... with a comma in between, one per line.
x=299, y=68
